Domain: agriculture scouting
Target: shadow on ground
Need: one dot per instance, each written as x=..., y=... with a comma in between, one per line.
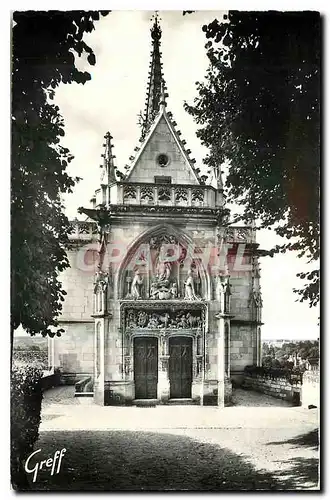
x=137, y=461
x=301, y=472
x=307, y=440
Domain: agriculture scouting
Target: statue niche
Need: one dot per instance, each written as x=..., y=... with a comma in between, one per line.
x=189, y=287
x=163, y=285
x=134, y=290
x=163, y=275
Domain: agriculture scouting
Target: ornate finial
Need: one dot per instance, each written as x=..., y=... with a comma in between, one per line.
x=155, y=79
x=163, y=95
x=156, y=32
x=108, y=168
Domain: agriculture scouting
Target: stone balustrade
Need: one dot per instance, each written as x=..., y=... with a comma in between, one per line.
x=87, y=231
x=83, y=230
x=174, y=195
x=240, y=234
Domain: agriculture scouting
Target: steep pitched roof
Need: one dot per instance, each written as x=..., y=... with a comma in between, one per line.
x=163, y=138
x=159, y=134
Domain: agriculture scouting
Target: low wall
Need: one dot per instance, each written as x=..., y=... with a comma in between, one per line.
x=278, y=388
x=310, y=394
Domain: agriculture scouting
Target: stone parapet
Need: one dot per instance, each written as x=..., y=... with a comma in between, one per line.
x=310, y=394
x=278, y=388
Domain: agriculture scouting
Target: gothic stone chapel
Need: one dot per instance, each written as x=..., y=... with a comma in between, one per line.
x=159, y=320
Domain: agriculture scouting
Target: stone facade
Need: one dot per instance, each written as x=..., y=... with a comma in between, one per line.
x=163, y=296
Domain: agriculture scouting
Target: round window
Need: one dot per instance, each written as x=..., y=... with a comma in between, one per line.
x=163, y=160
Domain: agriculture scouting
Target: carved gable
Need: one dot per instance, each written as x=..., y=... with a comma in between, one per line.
x=162, y=156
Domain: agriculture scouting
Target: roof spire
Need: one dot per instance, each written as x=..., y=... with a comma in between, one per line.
x=156, y=79
x=108, y=174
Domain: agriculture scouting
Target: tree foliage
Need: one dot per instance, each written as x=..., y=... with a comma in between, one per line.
x=279, y=356
x=259, y=110
x=44, y=48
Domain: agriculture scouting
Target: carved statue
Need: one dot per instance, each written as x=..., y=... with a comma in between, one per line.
x=130, y=321
x=153, y=321
x=142, y=319
x=218, y=287
x=136, y=285
x=163, y=320
x=174, y=290
x=163, y=271
x=189, y=289
x=190, y=319
x=181, y=321
x=154, y=290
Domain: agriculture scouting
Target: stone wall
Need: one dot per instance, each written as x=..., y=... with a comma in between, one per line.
x=243, y=346
x=310, y=393
x=78, y=283
x=74, y=350
x=278, y=388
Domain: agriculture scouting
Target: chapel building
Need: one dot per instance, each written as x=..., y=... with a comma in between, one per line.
x=163, y=297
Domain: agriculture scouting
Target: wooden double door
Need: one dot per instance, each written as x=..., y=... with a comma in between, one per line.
x=146, y=367
x=180, y=367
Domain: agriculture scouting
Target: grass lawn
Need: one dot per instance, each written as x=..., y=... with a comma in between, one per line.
x=135, y=461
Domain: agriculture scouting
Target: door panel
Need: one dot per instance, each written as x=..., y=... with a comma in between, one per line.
x=145, y=367
x=180, y=367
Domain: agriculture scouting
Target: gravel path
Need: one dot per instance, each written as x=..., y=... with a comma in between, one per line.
x=259, y=443
x=255, y=399
x=64, y=395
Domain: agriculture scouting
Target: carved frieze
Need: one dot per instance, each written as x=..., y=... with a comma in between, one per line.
x=151, y=320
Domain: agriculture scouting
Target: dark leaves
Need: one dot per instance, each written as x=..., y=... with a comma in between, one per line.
x=259, y=110
x=91, y=59
x=43, y=47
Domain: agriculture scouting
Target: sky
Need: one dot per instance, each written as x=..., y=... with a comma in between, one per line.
x=112, y=100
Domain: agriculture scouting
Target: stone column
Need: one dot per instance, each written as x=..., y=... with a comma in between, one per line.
x=258, y=347
x=227, y=332
x=138, y=195
x=99, y=361
x=163, y=388
x=221, y=363
x=189, y=197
